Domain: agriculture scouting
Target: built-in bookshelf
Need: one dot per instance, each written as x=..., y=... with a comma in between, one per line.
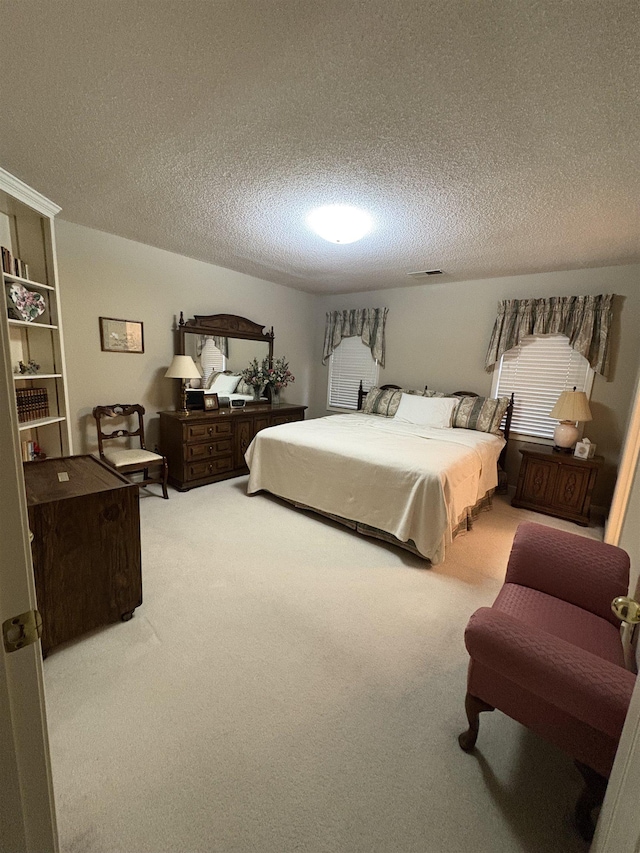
x=36, y=346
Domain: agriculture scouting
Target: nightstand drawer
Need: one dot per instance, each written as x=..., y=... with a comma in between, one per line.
x=202, y=430
x=218, y=465
x=208, y=450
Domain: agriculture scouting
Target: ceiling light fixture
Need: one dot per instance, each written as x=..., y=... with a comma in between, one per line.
x=340, y=223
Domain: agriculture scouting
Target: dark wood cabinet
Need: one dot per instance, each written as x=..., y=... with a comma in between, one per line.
x=85, y=522
x=556, y=483
x=204, y=447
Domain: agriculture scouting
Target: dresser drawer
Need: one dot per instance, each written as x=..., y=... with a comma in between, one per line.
x=208, y=468
x=202, y=430
x=208, y=449
x=285, y=419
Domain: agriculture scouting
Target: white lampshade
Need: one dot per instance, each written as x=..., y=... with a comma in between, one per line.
x=182, y=367
x=571, y=406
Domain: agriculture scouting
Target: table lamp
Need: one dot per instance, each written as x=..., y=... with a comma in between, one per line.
x=571, y=407
x=183, y=367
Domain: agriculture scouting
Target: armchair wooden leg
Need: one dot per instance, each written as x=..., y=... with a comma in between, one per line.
x=591, y=798
x=473, y=706
x=165, y=475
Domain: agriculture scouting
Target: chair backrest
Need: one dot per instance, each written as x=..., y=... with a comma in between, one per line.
x=120, y=410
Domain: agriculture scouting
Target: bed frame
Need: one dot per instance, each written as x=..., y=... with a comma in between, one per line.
x=506, y=429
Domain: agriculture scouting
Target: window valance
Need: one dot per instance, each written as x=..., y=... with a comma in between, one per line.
x=585, y=320
x=367, y=323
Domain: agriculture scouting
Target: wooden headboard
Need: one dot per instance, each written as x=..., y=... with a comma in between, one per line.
x=507, y=417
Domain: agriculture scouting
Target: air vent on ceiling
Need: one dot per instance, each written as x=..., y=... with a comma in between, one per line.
x=424, y=273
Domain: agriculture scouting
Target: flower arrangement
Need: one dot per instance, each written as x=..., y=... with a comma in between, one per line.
x=256, y=374
x=279, y=376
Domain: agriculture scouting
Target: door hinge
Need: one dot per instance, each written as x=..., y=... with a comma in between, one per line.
x=21, y=630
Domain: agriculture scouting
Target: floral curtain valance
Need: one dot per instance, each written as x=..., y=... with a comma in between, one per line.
x=585, y=320
x=367, y=323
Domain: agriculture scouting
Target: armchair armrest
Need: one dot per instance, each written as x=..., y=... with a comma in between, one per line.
x=580, y=683
x=582, y=571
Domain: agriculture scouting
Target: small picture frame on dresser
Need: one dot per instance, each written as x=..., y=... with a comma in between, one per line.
x=211, y=402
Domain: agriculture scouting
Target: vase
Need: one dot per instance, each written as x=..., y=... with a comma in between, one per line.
x=276, y=397
x=257, y=391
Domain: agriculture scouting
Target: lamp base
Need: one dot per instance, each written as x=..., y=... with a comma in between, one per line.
x=557, y=449
x=565, y=436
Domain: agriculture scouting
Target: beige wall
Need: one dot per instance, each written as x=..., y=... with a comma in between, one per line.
x=102, y=275
x=438, y=333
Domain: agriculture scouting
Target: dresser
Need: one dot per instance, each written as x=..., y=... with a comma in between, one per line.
x=85, y=522
x=555, y=483
x=204, y=447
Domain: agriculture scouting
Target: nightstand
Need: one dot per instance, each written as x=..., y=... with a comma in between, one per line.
x=555, y=483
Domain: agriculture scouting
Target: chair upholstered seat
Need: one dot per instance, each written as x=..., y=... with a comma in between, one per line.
x=134, y=456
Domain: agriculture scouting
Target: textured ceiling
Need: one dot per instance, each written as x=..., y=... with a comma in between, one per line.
x=486, y=137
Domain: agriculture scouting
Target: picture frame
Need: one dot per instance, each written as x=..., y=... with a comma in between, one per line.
x=211, y=402
x=121, y=335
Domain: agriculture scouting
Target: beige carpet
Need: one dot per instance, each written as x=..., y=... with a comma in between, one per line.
x=288, y=685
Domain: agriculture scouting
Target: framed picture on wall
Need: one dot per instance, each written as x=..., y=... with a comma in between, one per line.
x=211, y=402
x=121, y=335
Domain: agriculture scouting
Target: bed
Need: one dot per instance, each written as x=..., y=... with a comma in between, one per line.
x=414, y=485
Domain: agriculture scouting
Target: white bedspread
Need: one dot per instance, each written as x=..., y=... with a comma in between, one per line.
x=413, y=482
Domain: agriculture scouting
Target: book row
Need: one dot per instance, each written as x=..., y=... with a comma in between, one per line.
x=33, y=404
x=13, y=266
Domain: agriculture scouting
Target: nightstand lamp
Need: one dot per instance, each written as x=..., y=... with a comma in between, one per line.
x=183, y=367
x=572, y=407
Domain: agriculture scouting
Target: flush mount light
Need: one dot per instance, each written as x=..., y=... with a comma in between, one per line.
x=340, y=223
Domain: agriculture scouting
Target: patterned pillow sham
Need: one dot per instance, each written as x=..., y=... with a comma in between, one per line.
x=244, y=388
x=386, y=402
x=480, y=413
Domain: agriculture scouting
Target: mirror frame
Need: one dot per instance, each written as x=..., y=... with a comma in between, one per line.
x=224, y=326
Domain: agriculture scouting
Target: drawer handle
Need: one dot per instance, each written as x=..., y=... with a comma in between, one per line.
x=210, y=430
x=210, y=448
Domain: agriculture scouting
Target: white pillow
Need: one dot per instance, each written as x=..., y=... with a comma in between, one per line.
x=224, y=384
x=426, y=411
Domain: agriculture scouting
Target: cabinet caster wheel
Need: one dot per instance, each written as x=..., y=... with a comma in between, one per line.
x=127, y=616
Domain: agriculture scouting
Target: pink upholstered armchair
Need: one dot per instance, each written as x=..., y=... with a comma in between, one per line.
x=548, y=652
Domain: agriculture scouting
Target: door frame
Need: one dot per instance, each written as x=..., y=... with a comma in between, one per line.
x=619, y=825
x=27, y=803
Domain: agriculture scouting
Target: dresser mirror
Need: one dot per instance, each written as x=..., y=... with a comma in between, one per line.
x=224, y=343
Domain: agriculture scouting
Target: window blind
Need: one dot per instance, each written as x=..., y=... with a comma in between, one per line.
x=537, y=371
x=211, y=359
x=349, y=363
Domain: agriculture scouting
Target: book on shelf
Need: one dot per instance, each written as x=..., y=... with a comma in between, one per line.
x=13, y=266
x=32, y=404
x=7, y=260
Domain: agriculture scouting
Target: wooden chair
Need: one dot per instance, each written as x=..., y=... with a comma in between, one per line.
x=130, y=460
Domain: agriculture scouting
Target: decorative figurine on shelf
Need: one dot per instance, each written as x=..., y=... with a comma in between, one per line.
x=30, y=368
x=24, y=305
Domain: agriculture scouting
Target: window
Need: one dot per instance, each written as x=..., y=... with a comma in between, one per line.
x=537, y=371
x=211, y=359
x=349, y=363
